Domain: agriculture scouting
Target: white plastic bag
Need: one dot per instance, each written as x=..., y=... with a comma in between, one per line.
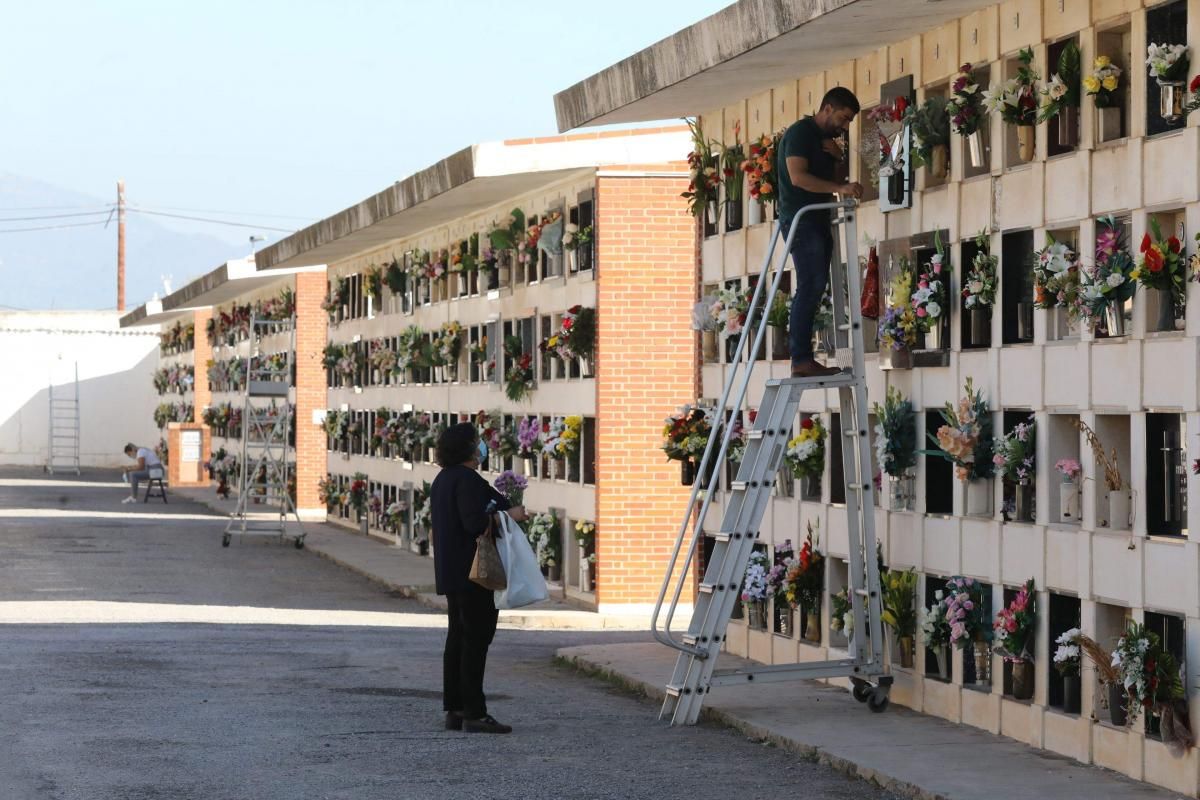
x=525, y=582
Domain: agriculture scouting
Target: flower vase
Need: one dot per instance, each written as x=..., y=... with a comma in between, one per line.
x=554, y=573
x=588, y=578
x=687, y=472
x=503, y=274
x=906, y=652
x=585, y=256
x=1108, y=123
x=362, y=523
x=976, y=150
x=1024, y=501
x=708, y=345
x=933, y=336
x=812, y=626
x=1171, y=96
x=983, y=663
x=781, y=348
x=1166, y=311
x=939, y=160
x=902, y=491
x=1022, y=680
x=943, y=662
x=585, y=367
x=980, y=320
x=1025, y=320
x=1068, y=126
x=733, y=214
x=1118, y=510
x=1068, y=502
x=572, y=261
x=890, y=358
x=1114, y=316
x=1025, y=142
x=712, y=212
x=1071, y=694
x=1117, y=704
x=978, y=497
x=756, y=614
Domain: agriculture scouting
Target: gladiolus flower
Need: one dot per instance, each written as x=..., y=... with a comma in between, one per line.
x=1145, y=243
x=1154, y=259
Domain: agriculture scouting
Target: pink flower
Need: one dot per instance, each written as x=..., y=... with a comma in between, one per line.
x=923, y=284
x=921, y=312
x=1010, y=625
x=998, y=460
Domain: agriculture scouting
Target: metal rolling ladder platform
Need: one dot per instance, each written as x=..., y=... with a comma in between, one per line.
x=750, y=492
x=266, y=444
x=62, y=450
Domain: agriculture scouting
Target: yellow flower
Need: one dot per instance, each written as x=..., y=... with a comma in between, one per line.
x=1092, y=84
x=552, y=341
x=1102, y=62
x=1137, y=273
x=1110, y=83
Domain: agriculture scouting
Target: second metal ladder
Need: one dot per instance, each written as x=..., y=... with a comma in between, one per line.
x=62, y=449
x=750, y=493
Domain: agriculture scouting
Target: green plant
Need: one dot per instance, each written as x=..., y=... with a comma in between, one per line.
x=506, y=235
x=780, y=312
x=1063, y=89
x=930, y=127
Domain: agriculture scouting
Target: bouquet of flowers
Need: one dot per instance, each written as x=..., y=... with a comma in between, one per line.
x=585, y=537
x=1161, y=265
x=934, y=625
x=760, y=167
x=784, y=555
x=1067, y=655
x=1103, y=82
x=880, y=128
x=544, y=536
x=1014, y=456
x=327, y=492
x=373, y=281
x=358, y=492
x=529, y=432
x=898, y=328
x=1147, y=670
x=754, y=584
x=1069, y=468
x=575, y=238
x=929, y=124
x=966, y=438
x=448, y=344
x=965, y=611
x=705, y=177
x=576, y=335
x=900, y=601
x=394, y=515
x=805, y=578
x=929, y=299
x=685, y=434
x=965, y=106
x=567, y=445
x=729, y=309
x=1167, y=62
x=1015, y=100
x=1111, y=279
x=841, y=613
x=895, y=433
x=518, y=378
x=1063, y=89
x=979, y=288
x=1055, y=269
x=1014, y=627
x=806, y=451
x=732, y=157
x=512, y=486
x=504, y=235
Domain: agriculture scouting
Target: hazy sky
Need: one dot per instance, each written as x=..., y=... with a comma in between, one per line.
x=295, y=108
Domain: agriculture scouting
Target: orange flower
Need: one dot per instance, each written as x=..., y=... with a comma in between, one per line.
x=1154, y=259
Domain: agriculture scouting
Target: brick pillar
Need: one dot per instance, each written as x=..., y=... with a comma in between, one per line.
x=189, y=472
x=201, y=355
x=646, y=368
x=311, y=323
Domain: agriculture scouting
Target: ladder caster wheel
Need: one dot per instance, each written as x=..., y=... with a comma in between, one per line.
x=225, y=540
x=878, y=701
x=862, y=690
x=300, y=543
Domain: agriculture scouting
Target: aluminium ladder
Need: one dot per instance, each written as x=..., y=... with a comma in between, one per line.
x=750, y=493
x=62, y=449
x=266, y=429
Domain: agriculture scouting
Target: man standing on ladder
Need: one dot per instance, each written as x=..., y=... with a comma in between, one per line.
x=805, y=163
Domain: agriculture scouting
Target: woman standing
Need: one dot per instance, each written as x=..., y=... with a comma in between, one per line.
x=459, y=499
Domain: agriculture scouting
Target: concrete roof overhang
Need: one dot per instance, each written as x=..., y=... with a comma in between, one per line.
x=227, y=282
x=468, y=182
x=150, y=313
x=744, y=49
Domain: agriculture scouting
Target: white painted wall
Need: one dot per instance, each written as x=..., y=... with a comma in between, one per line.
x=116, y=367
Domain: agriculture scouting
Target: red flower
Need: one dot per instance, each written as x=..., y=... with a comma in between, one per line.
x=807, y=424
x=1154, y=260
x=1145, y=243
x=1173, y=245
x=1194, y=86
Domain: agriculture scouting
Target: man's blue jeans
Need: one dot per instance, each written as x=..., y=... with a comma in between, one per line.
x=812, y=249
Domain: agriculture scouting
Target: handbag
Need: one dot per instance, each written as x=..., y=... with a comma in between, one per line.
x=486, y=568
x=525, y=582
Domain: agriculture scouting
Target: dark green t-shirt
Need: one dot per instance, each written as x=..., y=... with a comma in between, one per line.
x=803, y=139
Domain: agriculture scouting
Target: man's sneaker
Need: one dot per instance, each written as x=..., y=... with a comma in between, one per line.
x=454, y=721
x=129, y=500
x=486, y=724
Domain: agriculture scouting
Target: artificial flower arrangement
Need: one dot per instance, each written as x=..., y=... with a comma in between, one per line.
x=176, y=378
x=328, y=493
x=929, y=297
x=1103, y=82
x=1015, y=453
x=895, y=434
x=1055, y=274
x=395, y=276
x=805, y=579
x=805, y=454
x=966, y=438
x=1168, y=62
x=685, y=434
x=929, y=125
x=965, y=611
x=1111, y=279
x=759, y=167
x=935, y=628
x=382, y=357
x=785, y=554
x=576, y=238
x=585, y=537
x=1148, y=672
x=704, y=174
x=576, y=334
x=339, y=295
x=732, y=157
x=395, y=515
x=543, y=534
x=373, y=281
x=979, y=288
x=512, y=486
x=1161, y=265
x=1193, y=102
x=1015, y=100
x=178, y=339
x=898, y=327
x=899, y=608
x=358, y=492
x=1067, y=656
x=880, y=128
x=423, y=503
x=728, y=309
x=965, y=105
x=567, y=445
x=518, y=378
x=172, y=412
x=1063, y=89
x=754, y=584
x=504, y=235
x=1014, y=628
x=447, y=345
x=529, y=434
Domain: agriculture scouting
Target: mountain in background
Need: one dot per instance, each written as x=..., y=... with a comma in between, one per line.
x=76, y=268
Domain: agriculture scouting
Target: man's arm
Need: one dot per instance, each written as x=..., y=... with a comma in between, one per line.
x=797, y=167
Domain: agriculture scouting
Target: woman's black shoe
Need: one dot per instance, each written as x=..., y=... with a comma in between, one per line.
x=486, y=724
x=454, y=721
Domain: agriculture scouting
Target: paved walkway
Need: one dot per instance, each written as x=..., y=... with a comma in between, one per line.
x=410, y=575
x=910, y=754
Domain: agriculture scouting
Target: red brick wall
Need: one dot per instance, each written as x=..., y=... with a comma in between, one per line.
x=647, y=366
x=201, y=396
x=310, y=388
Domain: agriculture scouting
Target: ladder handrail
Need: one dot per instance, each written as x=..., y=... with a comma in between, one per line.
x=724, y=425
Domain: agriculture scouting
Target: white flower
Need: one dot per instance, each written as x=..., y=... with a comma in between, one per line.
x=1115, y=279
x=1056, y=88
x=938, y=595
x=936, y=258
x=934, y=309
x=993, y=99
x=975, y=287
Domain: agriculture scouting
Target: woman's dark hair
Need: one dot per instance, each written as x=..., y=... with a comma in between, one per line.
x=457, y=445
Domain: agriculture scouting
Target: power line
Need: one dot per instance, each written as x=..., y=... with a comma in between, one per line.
x=54, y=216
x=52, y=227
x=214, y=221
x=231, y=213
x=51, y=208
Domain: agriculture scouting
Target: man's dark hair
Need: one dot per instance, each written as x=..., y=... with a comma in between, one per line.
x=457, y=444
x=130, y=448
x=841, y=97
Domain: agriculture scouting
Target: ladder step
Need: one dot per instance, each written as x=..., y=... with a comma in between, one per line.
x=675, y=690
x=830, y=382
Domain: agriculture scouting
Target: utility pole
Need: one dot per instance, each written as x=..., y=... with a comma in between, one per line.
x=120, y=245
